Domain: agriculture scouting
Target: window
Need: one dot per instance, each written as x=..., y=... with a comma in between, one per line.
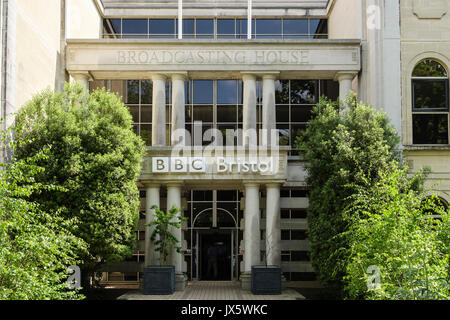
x=216, y=28
x=430, y=103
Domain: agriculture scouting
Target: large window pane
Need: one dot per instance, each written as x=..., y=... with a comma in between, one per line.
x=162, y=28
x=146, y=91
x=226, y=91
x=330, y=89
x=226, y=113
x=132, y=92
x=146, y=134
x=295, y=28
x=225, y=28
x=146, y=113
x=282, y=113
x=241, y=28
x=283, y=134
x=203, y=91
x=134, y=28
x=282, y=92
x=112, y=27
x=301, y=113
x=268, y=28
x=304, y=91
x=318, y=28
x=188, y=28
x=203, y=113
x=430, y=128
x=204, y=28
x=430, y=94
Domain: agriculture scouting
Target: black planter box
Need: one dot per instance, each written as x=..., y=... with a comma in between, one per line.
x=266, y=280
x=159, y=280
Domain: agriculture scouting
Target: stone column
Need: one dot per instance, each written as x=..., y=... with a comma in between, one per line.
x=159, y=110
x=249, y=110
x=269, y=112
x=82, y=78
x=178, y=108
x=345, y=84
x=252, y=233
x=152, y=198
x=174, y=199
x=273, y=225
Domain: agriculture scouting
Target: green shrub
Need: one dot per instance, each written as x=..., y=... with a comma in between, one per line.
x=95, y=156
x=340, y=149
x=391, y=228
x=36, y=247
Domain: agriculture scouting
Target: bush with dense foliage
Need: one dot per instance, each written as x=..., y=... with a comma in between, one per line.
x=340, y=149
x=366, y=212
x=36, y=247
x=403, y=234
x=95, y=156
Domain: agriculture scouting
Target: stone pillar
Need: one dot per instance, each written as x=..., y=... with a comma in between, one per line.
x=249, y=110
x=174, y=199
x=345, y=84
x=273, y=225
x=252, y=233
x=269, y=112
x=152, y=198
x=159, y=110
x=178, y=108
x=82, y=78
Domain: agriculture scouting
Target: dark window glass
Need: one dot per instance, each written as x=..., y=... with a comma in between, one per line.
x=304, y=91
x=188, y=114
x=298, y=234
x=188, y=28
x=146, y=134
x=202, y=195
x=285, y=214
x=282, y=92
x=268, y=28
x=225, y=28
x=430, y=94
x=134, y=28
x=241, y=28
x=146, y=113
x=429, y=68
x=112, y=26
x=283, y=133
x=285, y=235
x=318, y=28
x=299, y=256
x=188, y=92
x=132, y=92
x=162, y=28
x=203, y=91
x=204, y=28
x=430, y=128
x=298, y=214
x=142, y=193
x=303, y=276
x=330, y=89
x=203, y=113
x=146, y=91
x=226, y=91
x=299, y=193
x=229, y=135
x=301, y=113
x=134, y=111
x=282, y=113
x=226, y=113
x=226, y=195
x=295, y=28
x=286, y=193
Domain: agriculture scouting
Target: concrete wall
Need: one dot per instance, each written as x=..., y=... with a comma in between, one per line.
x=83, y=20
x=425, y=33
x=37, y=48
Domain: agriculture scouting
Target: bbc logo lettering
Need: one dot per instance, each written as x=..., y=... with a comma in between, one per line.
x=178, y=165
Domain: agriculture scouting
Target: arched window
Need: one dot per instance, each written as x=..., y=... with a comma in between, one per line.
x=430, y=103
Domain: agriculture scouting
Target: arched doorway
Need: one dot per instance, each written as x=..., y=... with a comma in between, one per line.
x=213, y=235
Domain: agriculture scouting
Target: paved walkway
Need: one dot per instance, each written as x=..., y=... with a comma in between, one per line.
x=213, y=291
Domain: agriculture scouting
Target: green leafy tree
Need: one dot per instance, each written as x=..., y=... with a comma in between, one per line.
x=36, y=247
x=342, y=148
x=95, y=156
x=161, y=236
x=391, y=227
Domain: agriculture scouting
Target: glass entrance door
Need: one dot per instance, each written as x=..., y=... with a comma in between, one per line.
x=213, y=235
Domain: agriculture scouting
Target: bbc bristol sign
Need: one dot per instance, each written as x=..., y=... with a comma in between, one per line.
x=264, y=165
